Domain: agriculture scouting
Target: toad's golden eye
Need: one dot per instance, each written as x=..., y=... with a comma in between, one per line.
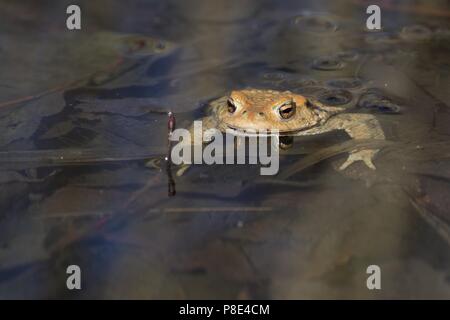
x=231, y=107
x=287, y=110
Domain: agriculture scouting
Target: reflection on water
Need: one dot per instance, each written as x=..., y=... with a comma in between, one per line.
x=82, y=113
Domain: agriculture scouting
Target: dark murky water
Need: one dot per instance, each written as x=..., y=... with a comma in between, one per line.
x=82, y=112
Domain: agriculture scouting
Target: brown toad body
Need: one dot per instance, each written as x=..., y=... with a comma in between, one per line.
x=293, y=115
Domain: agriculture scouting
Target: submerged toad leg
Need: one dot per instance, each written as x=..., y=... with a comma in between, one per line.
x=358, y=126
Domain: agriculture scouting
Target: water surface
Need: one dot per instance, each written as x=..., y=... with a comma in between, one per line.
x=82, y=112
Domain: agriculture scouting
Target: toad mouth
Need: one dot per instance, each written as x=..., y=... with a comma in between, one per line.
x=258, y=132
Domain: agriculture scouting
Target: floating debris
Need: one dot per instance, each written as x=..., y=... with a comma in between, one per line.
x=315, y=22
x=345, y=83
x=328, y=63
x=416, y=33
x=376, y=102
x=336, y=97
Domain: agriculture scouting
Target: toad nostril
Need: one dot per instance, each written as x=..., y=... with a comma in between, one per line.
x=261, y=114
x=244, y=112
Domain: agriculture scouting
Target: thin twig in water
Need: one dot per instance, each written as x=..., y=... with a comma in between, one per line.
x=171, y=181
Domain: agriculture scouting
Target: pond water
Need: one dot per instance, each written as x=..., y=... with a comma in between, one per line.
x=83, y=116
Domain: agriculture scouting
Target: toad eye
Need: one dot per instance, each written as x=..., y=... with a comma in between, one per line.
x=231, y=107
x=287, y=110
